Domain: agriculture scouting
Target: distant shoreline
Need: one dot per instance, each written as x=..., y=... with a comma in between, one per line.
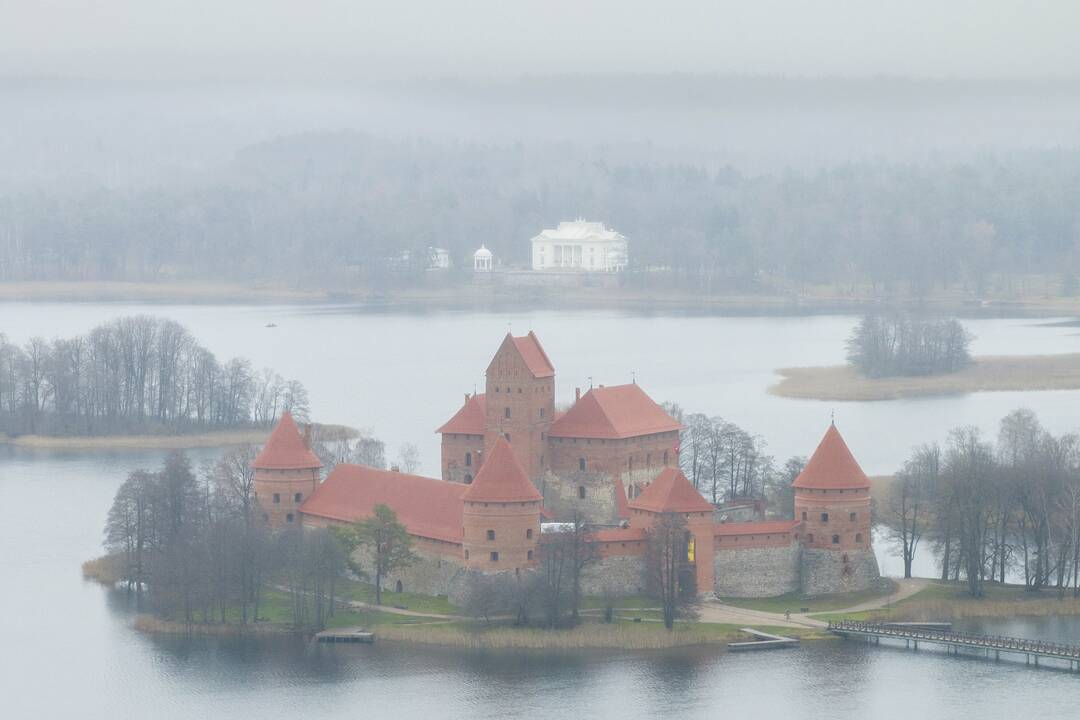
x=481, y=296
x=140, y=442
x=986, y=374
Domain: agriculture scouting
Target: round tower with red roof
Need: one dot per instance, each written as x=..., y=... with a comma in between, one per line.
x=501, y=517
x=832, y=498
x=286, y=473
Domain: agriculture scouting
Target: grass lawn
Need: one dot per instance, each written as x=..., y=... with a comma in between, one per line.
x=365, y=592
x=793, y=602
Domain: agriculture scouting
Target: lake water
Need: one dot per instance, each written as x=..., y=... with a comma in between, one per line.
x=68, y=650
x=401, y=375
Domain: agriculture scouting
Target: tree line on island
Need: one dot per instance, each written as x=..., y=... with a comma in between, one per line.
x=192, y=547
x=341, y=210
x=988, y=509
x=138, y=375
x=898, y=344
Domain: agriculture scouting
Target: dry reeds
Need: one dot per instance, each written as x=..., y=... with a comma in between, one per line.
x=941, y=610
x=105, y=569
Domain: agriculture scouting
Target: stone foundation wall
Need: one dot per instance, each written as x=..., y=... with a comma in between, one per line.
x=616, y=575
x=562, y=496
x=757, y=572
x=833, y=571
x=430, y=575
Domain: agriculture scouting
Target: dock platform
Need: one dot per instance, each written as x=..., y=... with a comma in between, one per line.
x=766, y=641
x=345, y=635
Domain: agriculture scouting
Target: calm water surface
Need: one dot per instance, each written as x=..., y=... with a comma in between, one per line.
x=68, y=650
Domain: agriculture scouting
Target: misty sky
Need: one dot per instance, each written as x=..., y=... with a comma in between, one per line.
x=352, y=38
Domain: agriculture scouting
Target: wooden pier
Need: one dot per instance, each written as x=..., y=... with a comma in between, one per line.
x=954, y=642
x=345, y=635
x=766, y=641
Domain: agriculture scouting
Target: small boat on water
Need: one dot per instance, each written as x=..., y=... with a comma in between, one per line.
x=271, y=324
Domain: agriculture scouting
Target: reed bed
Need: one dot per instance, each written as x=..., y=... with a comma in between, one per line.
x=941, y=610
x=650, y=636
x=105, y=569
x=161, y=626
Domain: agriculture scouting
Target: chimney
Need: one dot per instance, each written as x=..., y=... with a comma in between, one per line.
x=577, y=394
x=466, y=397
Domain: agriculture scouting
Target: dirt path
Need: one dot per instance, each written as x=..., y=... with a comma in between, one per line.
x=718, y=612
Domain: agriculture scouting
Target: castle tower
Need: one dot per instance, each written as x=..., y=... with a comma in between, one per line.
x=832, y=498
x=671, y=492
x=519, y=401
x=286, y=473
x=501, y=516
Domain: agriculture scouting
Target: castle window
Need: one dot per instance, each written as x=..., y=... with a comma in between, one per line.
x=528, y=534
x=803, y=514
x=853, y=517
x=630, y=463
x=468, y=479
x=824, y=517
x=494, y=557
x=858, y=537
x=530, y=555
x=466, y=554
x=277, y=498
x=289, y=517
x=468, y=459
x=399, y=587
x=541, y=412
x=491, y=534
x=496, y=388
x=581, y=463
x=506, y=413
x=665, y=458
x=298, y=497
x=581, y=491
x=507, y=436
x=648, y=459
x=835, y=539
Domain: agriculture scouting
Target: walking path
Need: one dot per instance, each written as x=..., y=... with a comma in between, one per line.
x=719, y=612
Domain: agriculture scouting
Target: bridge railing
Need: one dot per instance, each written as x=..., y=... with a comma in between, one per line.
x=995, y=642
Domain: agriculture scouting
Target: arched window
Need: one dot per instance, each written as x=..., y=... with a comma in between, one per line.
x=581, y=491
x=399, y=587
x=858, y=537
x=665, y=458
x=507, y=436
x=468, y=459
x=277, y=498
x=289, y=517
x=824, y=517
x=468, y=479
x=853, y=516
x=298, y=497
x=528, y=534
x=494, y=557
x=581, y=464
x=490, y=534
x=530, y=554
x=803, y=514
x=835, y=539
x=506, y=413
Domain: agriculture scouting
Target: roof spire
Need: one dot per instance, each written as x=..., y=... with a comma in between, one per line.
x=832, y=418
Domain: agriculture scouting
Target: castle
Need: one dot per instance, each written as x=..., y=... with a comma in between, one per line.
x=511, y=464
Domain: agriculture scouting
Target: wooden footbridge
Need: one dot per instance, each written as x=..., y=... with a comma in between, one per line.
x=954, y=642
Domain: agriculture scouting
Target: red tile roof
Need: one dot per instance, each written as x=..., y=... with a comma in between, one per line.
x=619, y=534
x=755, y=528
x=501, y=479
x=286, y=449
x=619, y=411
x=533, y=354
x=832, y=466
x=671, y=492
x=469, y=420
x=427, y=507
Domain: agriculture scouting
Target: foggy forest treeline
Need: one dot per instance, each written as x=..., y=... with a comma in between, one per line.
x=332, y=210
x=138, y=374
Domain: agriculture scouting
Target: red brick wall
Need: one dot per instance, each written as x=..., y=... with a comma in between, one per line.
x=285, y=484
x=839, y=505
x=511, y=522
x=454, y=448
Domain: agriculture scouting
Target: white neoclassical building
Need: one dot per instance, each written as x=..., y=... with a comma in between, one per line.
x=579, y=245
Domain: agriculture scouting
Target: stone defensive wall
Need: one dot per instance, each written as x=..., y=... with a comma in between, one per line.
x=831, y=571
x=757, y=559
